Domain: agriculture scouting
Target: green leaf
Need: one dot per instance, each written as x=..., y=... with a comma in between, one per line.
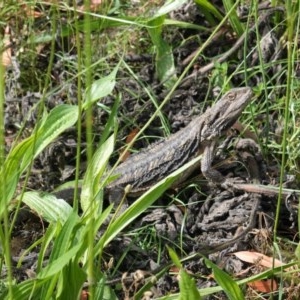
x=169, y=6
x=28, y=289
x=20, y=157
x=174, y=257
x=47, y=241
x=48, y=206
x=102, y=22
x=164, y=60
x=65, y=238
x=188, y=289
x=209, y=8
x=58, y=120
x=57, y=265
x=230, y=7
x=100, y=88
x=73, y=277
x=103, y=291
x=215, y=289
x=61, y=255
x=229, y=286
x=185, y=25
x=111, y=124
x=94, y=172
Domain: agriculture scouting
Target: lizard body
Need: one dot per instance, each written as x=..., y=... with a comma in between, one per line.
x=144, y=169
x=147, y=167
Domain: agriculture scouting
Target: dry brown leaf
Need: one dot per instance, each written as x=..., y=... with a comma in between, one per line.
x=264, y=286
x=174, y=269
x=258, y=258
x=131, y=135
x=129, y=138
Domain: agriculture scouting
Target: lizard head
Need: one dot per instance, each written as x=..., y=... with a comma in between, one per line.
x=228, y=109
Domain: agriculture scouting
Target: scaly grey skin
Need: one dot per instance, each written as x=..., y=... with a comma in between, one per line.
x=142, y=170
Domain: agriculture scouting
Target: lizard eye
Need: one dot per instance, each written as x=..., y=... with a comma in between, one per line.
x=231, y=96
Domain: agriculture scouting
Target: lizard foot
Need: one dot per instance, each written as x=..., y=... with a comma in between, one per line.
x=229, y=183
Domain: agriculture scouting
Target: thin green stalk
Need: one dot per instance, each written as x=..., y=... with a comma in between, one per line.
x=88, y=120
x=262, y=70
x=4, y=235
x=291, y=54
x=79, y=103
x=290, y=65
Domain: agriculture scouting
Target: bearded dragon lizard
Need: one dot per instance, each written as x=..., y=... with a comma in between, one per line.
x=142, y=170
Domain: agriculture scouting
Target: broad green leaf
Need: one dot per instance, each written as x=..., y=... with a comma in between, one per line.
x=95, y=171
x=61, y=253
x=188, y=289
x=111, y=124
x=66, y=237
x=47, y=240
x=57, y=265
x=73, y=277
x=206, y=5
x=100, y=88
x=229, y=286
x=99, y=24
x=20, y=157
x=230, y=7
x=169, y=6
x=48, y=206
x=164, y=60
x=58, y=120
x=68, y=185
x=185, y=25
x=28, y=289
x=174, y=257
x=103, y=22
x=187, y=286
x=103, y=291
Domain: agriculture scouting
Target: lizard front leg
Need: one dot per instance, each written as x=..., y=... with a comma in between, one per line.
x=206, y=165
x=211, y=174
